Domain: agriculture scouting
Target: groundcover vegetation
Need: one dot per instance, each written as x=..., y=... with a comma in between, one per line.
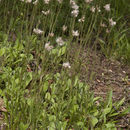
x=40, y=81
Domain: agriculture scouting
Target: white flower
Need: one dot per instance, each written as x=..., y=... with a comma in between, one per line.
x=75, y=33
x=27, y=1
x=37, y=31
x=35, y=2
x=60, y=1
x=107, y=31
x=51, y=34
x=92, y=9
x=75, y=13
x=72, y=2
x=64, y=28
x=107, y=7
x=82, y=19
x=112, y=23
x=88, y=1
x=46, y=1
x=75, y=7
x=48, y=47
x=66, y=65
x=98, y=9
x=60, y=41
x=103, y=25
x=46, y=12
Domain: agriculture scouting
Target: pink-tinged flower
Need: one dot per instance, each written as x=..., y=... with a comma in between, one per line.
x=103, y=25
x=107, y=7
x=60, y=1
x=112, y=23
x=75, y=7
x=93, y=9
x=48, y=47
x=60, y=41
x=88, y=1
x=75, y=12
x=72, y=2
x=66, y=65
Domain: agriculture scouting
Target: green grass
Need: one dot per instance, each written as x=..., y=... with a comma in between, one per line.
x=39, y=82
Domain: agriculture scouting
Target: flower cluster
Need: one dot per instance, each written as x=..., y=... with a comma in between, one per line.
x=75, y=8
x=60, y=1
x=75, y=33
x=93, y=9
x=112, y=23
x=107, y=7
x=35, y=2
x=82, y=19
x=64, y=28
x=27, y=1
x=66, y=65
x=60, y=41
x=46, y=1
x=88, y=1
x=46, y=12
x=37, y=31
x=51, y=34
x=48, y=47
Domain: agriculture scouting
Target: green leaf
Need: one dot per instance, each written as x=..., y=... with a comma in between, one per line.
x=17, y=80
x=1, y=92
x=52, y=126
x=96, y=98
x=30, y=101
x=106, y=111
x=120, y=103
x=52, y=118
x=62, y=51
x=23, y=126
x=2, y=51
x=69, y=82
x=126, y=111
x=48, y=96
x=76, y=80
x=81, y=85
x=101, y=41
x=94, y=121
x=114, y=114
x=28, y=78
x=109, y=104
x=54, y=51
x=45, y=87
x=96, y=113
x=110, y=125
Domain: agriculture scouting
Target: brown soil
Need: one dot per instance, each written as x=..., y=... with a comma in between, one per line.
x=103, y=74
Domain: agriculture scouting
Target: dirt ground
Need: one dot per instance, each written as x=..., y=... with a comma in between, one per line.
x=103, y=74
